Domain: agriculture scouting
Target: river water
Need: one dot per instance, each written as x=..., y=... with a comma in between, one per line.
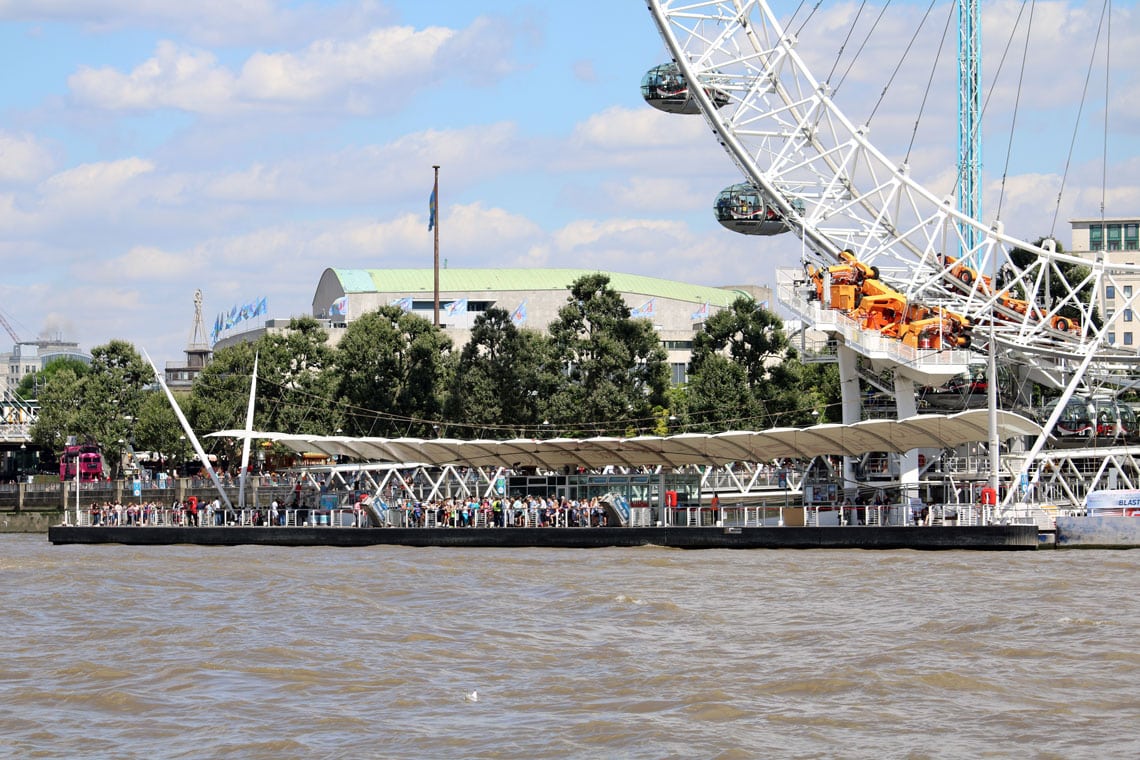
x=269, y=652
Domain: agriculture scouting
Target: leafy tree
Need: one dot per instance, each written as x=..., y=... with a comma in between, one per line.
x=605, y=372
x=58, y=416
x=393, y=367
x=157, y=428
x=31, y=383
x=100, y=405
x=777, y=384
x=219, y=397
x=297, y=383
x=719, y=397
x=495, y=387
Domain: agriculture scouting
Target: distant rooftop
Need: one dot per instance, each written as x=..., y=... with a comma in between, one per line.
x=475, y=280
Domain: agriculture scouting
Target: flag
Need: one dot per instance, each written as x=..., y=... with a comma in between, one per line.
x=647, y=310
x=339, y=307
x=404, y=303
x=457, y=307
x=518, y=317
x=700, y=313
x=433, y=208
x=261, y=308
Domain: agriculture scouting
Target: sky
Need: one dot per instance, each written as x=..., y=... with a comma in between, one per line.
x=241, y=147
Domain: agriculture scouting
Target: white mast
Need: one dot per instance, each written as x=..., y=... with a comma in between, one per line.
x=248, y=431
x=190, y=433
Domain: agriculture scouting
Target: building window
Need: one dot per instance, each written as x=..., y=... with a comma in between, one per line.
x=1132, y=236
x=1114, y=237
x=1112, y=339
x=1128, y=339
x=1127, y=291
x=1109, y=292
x=1128, y=315
x=1096, y=237
x=677, y=372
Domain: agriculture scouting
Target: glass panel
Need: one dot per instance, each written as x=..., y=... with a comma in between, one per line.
x=1128, y=339
x=1131, y=236
x=1096, y=237
x=1114, y=237
x=1110, y=292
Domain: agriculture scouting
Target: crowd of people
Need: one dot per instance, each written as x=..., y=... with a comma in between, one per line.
x=517, y=511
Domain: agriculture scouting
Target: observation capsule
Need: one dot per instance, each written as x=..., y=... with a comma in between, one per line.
x=665, y=88
x=743, y=208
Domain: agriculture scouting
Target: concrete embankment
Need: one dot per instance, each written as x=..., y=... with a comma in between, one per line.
x=28, y=521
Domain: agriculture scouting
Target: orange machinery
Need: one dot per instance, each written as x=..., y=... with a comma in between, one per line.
x=967, y=276
x=855, y=288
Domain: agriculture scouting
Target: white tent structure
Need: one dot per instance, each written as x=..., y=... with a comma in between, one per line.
x=922, y=431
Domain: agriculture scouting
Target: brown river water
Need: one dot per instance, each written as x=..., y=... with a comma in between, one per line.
x=269, y=652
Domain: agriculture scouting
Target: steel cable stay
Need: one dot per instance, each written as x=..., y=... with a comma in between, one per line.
x=1016, y=104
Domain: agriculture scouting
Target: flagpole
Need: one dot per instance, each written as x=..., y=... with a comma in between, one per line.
x=435, y=227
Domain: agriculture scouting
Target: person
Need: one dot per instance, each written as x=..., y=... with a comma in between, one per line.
x=273, y=516
x=192, y=508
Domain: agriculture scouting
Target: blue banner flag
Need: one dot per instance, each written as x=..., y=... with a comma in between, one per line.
x=433, y=209
x=457, y=307
x=519, y=315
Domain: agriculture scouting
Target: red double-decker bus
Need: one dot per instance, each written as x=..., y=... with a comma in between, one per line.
x=86, y=458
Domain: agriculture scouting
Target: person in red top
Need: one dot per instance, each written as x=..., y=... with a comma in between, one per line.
x=192, y=509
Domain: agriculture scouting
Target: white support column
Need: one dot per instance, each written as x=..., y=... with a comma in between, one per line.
x=852, y=409
x=906, y=406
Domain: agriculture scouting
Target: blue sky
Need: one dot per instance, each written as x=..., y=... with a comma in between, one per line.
x=150, y=148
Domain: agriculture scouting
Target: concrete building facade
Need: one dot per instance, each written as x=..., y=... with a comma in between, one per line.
x=532, y=296
x=1117, y=239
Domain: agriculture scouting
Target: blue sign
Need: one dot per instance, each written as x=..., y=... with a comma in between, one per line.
x=137, y=487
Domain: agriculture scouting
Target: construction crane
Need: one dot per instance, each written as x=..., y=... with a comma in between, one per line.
x=8, y=328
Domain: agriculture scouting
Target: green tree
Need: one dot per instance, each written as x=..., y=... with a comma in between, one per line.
x=297, y=383
x=495, y=387
x=157, y=428
x=393, y=367
x=29, y=387
x=100, y=405
x=779, y=388
x=719, y=397
x=58, y=417
x=219, y=397
x=606, y=373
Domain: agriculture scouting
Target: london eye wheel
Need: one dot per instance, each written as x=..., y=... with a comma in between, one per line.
x=860, y=213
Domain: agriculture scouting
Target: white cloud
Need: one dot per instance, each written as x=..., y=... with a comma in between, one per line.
x=94, y=185
x=147, y=264
x=369, y=73
x=23, y=158
x=176, y=77
x=207, y=22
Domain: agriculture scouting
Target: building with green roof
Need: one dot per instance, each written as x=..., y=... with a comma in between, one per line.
x=532, y=296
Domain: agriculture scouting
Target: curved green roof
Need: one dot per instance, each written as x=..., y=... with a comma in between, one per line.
x=475, y=280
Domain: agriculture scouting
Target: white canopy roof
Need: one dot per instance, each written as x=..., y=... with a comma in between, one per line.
x=935, y=431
